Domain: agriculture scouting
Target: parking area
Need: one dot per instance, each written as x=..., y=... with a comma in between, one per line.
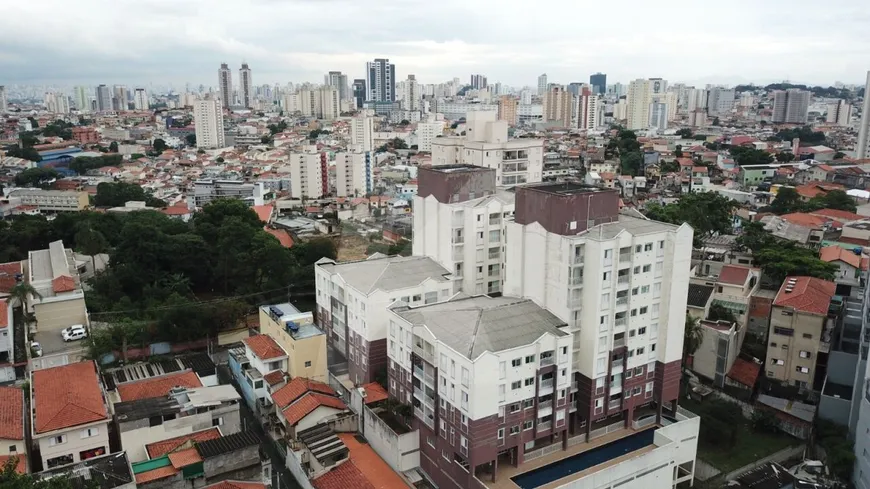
x=51, y=342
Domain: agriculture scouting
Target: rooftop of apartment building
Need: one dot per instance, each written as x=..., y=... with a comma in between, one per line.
x=474, y=325
x=566, y=188
x=184, y=399
x=386, y=273
x=634, y=225
x=55, y=264
x=806, y=294
x=105, y=472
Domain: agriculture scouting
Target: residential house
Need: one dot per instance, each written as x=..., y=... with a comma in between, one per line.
x=303, y=404
x=626, y=185
x=856, y=232
x=800, y=329
x=743, y=374
x=201, y=463
x=352, y=301
x=717, y=252
x=299, y=337
x=7, y=342
x=183, y=411
x=12, y=443
x=718, y=350
x=699, y=300
x=250, y=365
x=70, y=417
x=804, y=229
x=110, y=471
x=363, y=469
x=851, y=267
x=53, y=273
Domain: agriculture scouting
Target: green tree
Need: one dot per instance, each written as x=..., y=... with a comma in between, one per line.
x=722, y=422
x=715, y=121
x=405, y=122
x=190, y=139
x=27, y=153
x=118, y=194
x=718, y=312
x=159, y=146
x=83, y=164
x=706, y=212
x=787, y=200
x=266, y=139
x=398, y=143
x=36, y=177
x=678, y=152
x=21, y=292
x=693, y=336
x=784, y=157
x=631, y=163
x=113, y=147
x=669, y=166
x=834, y=199
x=11, y=479
x=91, y=242
x=805, y=134
x=750, y=156
x=788, y=259
x=685, y=133
x=839, y=155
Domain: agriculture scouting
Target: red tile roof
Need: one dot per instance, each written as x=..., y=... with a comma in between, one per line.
x=375, y=392
x=183, y=458
x=345, y=476
x=67, y=396
x=759, y=307
x=160, y=448
x=378, y=473
x=8, y=271
x=837, y=253
x=63, y=283
x=854, y=241
x=264, y=346
x=264, y=212
x=296, y=388
x=176, y=210
x=153, y=475
x=745, y=372
x=11, y=413
x=685, y=162
x=808, y=294
x=283, y=236
x=304, y=406
x=157, y=386
x=734, y=274
x=808, y=220
x=274, y=378
x=4, y=314
x=838, y=215
x=20, y=462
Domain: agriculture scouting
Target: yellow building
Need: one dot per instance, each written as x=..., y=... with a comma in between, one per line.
x=297, y=334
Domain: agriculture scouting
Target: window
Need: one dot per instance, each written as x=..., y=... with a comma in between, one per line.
x=530, y=359
x=652, y=347
x=599, y=383
x=640, y=351
x=417, y=298
x=494, y=236
x=89, y=432
x=516, y=362
x=445, y=454
x=638, y=248
x=805, y=354
x=465, y=376
x=516, y=385
x=649, y=386
x=464, y=398
x=646, y=268
x=803, y=370
x=463, y=441
x=633, y=312
x=431, y=297
x=155, y=421
x=808, y=336
x=307, y=364
x=635, y=291
x=501, y=433
x=599, y=402
x=644, y=289
x=431, y=441
x=774, y=361
x=13, y=449
x=515, y=429
x=636, y=391
x=648, y=247
x=643, y=310
x=636, y=270
x=783, y=331
x=514, y=408
x=217, y=422
x=530, y=381
x=527, y=425
x=58, y=440
x=605, y=276
x=641, y=331
x=528, y=403
x=631, y=333
x=628, y=374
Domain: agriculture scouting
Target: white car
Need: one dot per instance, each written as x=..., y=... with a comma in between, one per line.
x=35, y=349
x=74, y=332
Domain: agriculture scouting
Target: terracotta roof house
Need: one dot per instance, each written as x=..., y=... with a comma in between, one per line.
x=70, y=417
x=157, y=386
x=12, y=427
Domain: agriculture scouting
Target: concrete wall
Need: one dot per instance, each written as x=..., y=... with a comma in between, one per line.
x=294, y=465
x=73, y=443
x=54, y=316
x=401, y=452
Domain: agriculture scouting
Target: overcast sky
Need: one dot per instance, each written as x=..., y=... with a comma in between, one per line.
x=67, y=42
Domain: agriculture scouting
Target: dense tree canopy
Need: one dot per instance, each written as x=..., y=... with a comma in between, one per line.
x=118, y=194
x=36, y=177
x=83, y=164
x=779, y=258
x=10, y=479
x=626, y=147
x=159, y=146
x=805, y=134
x=706, y=212
x=750, y=156
x=788, y=200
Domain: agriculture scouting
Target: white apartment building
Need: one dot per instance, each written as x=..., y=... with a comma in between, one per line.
x=308, y=173
x=362, y=131
x=839, y=113
x=246, y=86
x=208, y=117
x=205, y=191
x=225, y=85
x=863, y=148
x=353, y=173
x=658, y=116
x=56, y=103
x=486, y=144
x=140, y=99
x=791, y=106
x=459, y=221
x=458, y=110
x=484, y=375
x=642, y=93
x=624, y=278
x=52, y=200
x=720, y=101
x=542, y=85
x=590, y=110
x=558, y=106
x=411, y=94
x=427, y=131
x=353, y=297
x=82, y=98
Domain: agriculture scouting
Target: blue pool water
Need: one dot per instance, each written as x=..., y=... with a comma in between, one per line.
x=582, y=461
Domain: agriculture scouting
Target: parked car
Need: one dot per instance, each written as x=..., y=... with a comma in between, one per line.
x=35, y=349
x=74, y=332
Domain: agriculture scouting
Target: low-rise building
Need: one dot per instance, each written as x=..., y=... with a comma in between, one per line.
x=70, y=418
x=12, y=444
x=304, y=404
x=252, y=364
x=800, y=329
x=205, y=191
x=298, y=336
x=110, y=471
x=851, y=266
x=143, y=422
x=61, y=301
x=52, y=200
x=352, y=301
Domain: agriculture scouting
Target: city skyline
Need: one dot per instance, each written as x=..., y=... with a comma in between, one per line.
x=182, y=43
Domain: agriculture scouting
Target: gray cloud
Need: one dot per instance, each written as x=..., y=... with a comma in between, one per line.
x=142, y=41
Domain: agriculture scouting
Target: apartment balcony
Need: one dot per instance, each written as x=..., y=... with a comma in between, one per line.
x=618, y=344
x=622, y=280
x=622, y=301
x=575, y=303
x=618, y=363
x=425, y=355
x=614, y=404
x=618, y=322
x=547, y=361
x=423, y=376
x=546, y=383
x=546, y=425
x=458, y=239
x=458, y=252
x=545, y=404
x=428, y=419
x=624, y=257
x=422, y=397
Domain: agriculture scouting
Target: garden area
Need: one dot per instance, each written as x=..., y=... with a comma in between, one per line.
x=729, y=441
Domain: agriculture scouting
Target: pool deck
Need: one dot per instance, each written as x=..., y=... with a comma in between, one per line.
x=507, y=471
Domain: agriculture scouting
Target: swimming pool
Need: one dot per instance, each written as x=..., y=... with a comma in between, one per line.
x=582, y=461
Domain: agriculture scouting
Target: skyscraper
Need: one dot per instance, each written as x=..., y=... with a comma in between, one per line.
x=863, y=149
x=140, y=99
x=225, y=85
x=839, y=113
x=82, y=99
x=790, y=106
x=362, y=132
x=208, y=115
x=246, y=86
x=359, y=92
x=104, y=99
x=3, y=102
x=119, y=98
x=478, y=82
x=507, y=109
x=56, y=103
x=720, y=101
x=381, y=75
x=598, y=82
x=339, y=81
x=411, y=94
x=542, y=85
x=589, y=110
x=558, y=106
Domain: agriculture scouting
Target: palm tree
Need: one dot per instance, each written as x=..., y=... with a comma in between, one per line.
x=693, y=336
x=21, y=291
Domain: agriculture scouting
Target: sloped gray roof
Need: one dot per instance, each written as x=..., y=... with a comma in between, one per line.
x=474, y=325
x=387, y=273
